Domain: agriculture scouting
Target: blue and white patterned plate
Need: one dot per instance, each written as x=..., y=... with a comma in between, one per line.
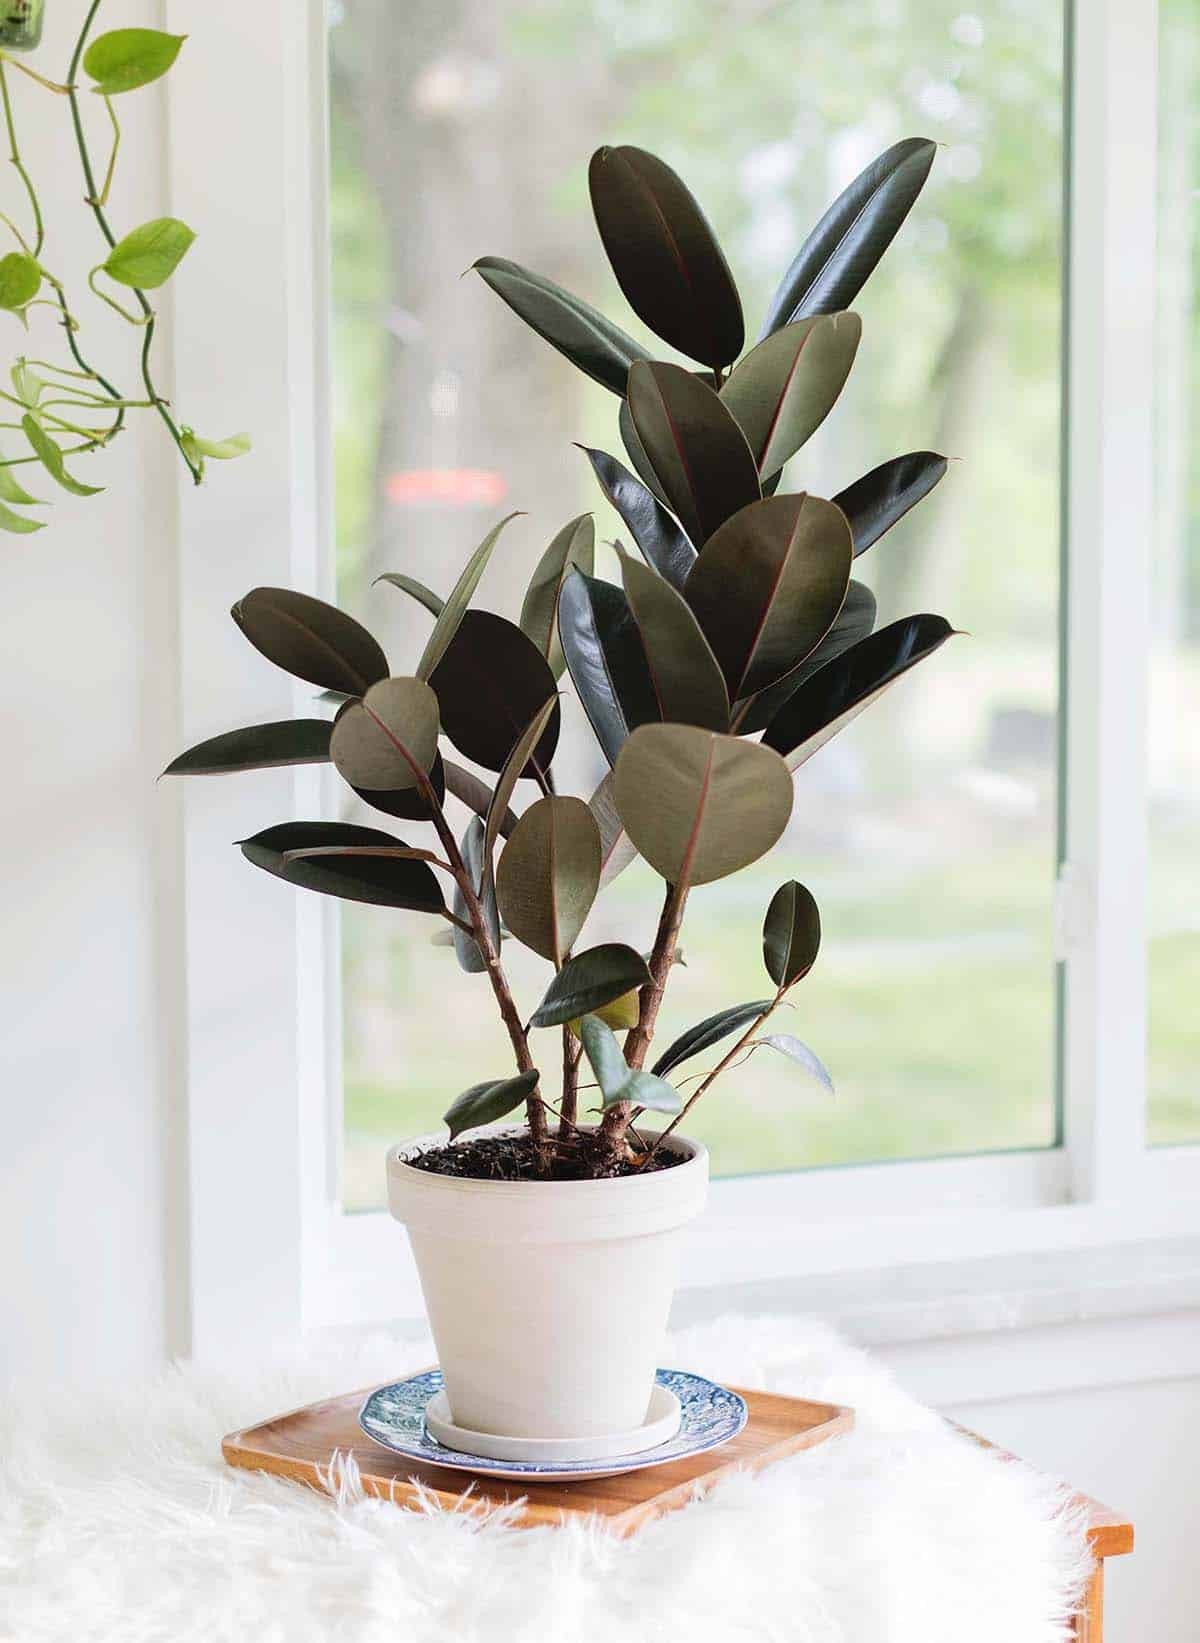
x=394, y=1416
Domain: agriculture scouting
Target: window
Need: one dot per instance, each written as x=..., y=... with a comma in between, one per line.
x=928, y=832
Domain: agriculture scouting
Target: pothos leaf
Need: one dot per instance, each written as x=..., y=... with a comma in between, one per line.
x=124, y=59
x=20, y=280
x=149, y=254
x=49, y=455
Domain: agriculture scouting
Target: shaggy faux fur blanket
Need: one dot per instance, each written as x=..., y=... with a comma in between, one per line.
x=119, y=1523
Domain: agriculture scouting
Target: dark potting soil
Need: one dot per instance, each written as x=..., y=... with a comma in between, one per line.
x=511, y=1158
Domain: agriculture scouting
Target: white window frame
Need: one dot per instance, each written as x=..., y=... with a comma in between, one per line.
x=270, y=1248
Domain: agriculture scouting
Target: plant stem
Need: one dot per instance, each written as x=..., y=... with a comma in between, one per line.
x=39, y=232
x=572, y=1050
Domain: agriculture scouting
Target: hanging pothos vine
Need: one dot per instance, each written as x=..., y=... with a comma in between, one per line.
x=62, y=409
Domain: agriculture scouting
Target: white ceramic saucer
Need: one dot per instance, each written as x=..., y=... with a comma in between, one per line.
x=661, y=1424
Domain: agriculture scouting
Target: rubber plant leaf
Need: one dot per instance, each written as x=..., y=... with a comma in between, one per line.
x=854, y=621
x=490, y=683
x=768, y=586
x=791, y=934
x=311, y=640
x=875, y=502
x=841, y=690
x=517, y=763
x=598, y=347
x=432, y=602
x=452, y=612
x=785, y=388
x=381, y=881
x=388, y=739
x=407, y=803
x=687, y=679
x=548, y=875
x=839, y=255
x=573, y=547
x=660, y=539
x=697, y=805
x=473, y=849
x=466, y=786
x=618, y=1081
x=256, y=747
x=588, y=980
x=125, y=59
x=665, y=255
x=485, y=1103
x=636, y=453
x=617, y=851
x=607, y=662
x=802, y=1056
x=708, y=1032
x=696, y=450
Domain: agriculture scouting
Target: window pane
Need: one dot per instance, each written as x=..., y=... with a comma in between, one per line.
x=1174, y=1064
x=927, y=831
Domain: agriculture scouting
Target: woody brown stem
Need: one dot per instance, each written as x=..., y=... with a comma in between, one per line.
x=569, y=1105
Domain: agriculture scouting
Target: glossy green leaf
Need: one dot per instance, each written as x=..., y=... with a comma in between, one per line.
x=574, y=547
x=665, y=255
x=687, y=680
x=452, y=612
x=389, y=738
x=768, y=586
x=257, y=747
x=310, y=639
x=588, y=980
x=835, y=261
x=51, y=459
x=548, y=875
x=875, y=502
x=606, y=659
x=841, y=690
x=379, y=881
x=200, y=450
x=148, y=255
x=20, y=279
x=617, y=850
x=17, y=523
x=476, y=859
x=791, y=934
x=485, y=1103
x=490, y=683
x=854, y=621
x=618, y=1081
x=802, y=1056
x=708, y=1032
x=432, y=602
x=476, y=795
x=11, y=490
x=785, y=388
x=598, y=347
x=533, y=735
x=696, y=450
x=697, y=805
x=648, y=1090
x=124, y=59
x=660, y=538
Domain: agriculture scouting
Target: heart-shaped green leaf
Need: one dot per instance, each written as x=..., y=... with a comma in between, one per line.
x=148, y=255
x=840, y=691
x=124, y=59
x=660, y=538
x=389, y=738
x=573, y=548
x=603, y=647
x=785, y=388
x=310, y=639
x=548, y=875
x=598, y=347
x=433, y=602
x=617, y=850
x=49, y=455
x=698, y=805
x=382, y=881
x=518, y=763
x=257, y=747
x=696, y=450
x=617, y=1080
x=708, y=1032
x=452, y=612
x=686, y=677
x=589, y=980
x=875, y=502
x=768, y=586
x=477, y=860
x=665, y=255
x=20, y=280
x=854, y=621
x=802, y=1056
x=836, y=259
x=490, y=683
x=476, y=795
x=485, y=1103
x=791, y=934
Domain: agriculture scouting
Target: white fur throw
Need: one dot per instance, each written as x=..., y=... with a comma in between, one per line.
x=119, y=1523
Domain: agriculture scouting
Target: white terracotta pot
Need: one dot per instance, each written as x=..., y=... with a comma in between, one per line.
x=548, y=1300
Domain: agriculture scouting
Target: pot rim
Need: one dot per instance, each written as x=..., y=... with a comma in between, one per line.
x=695, y=1162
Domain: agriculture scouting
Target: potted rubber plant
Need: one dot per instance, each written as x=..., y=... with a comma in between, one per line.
x=735, y=643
